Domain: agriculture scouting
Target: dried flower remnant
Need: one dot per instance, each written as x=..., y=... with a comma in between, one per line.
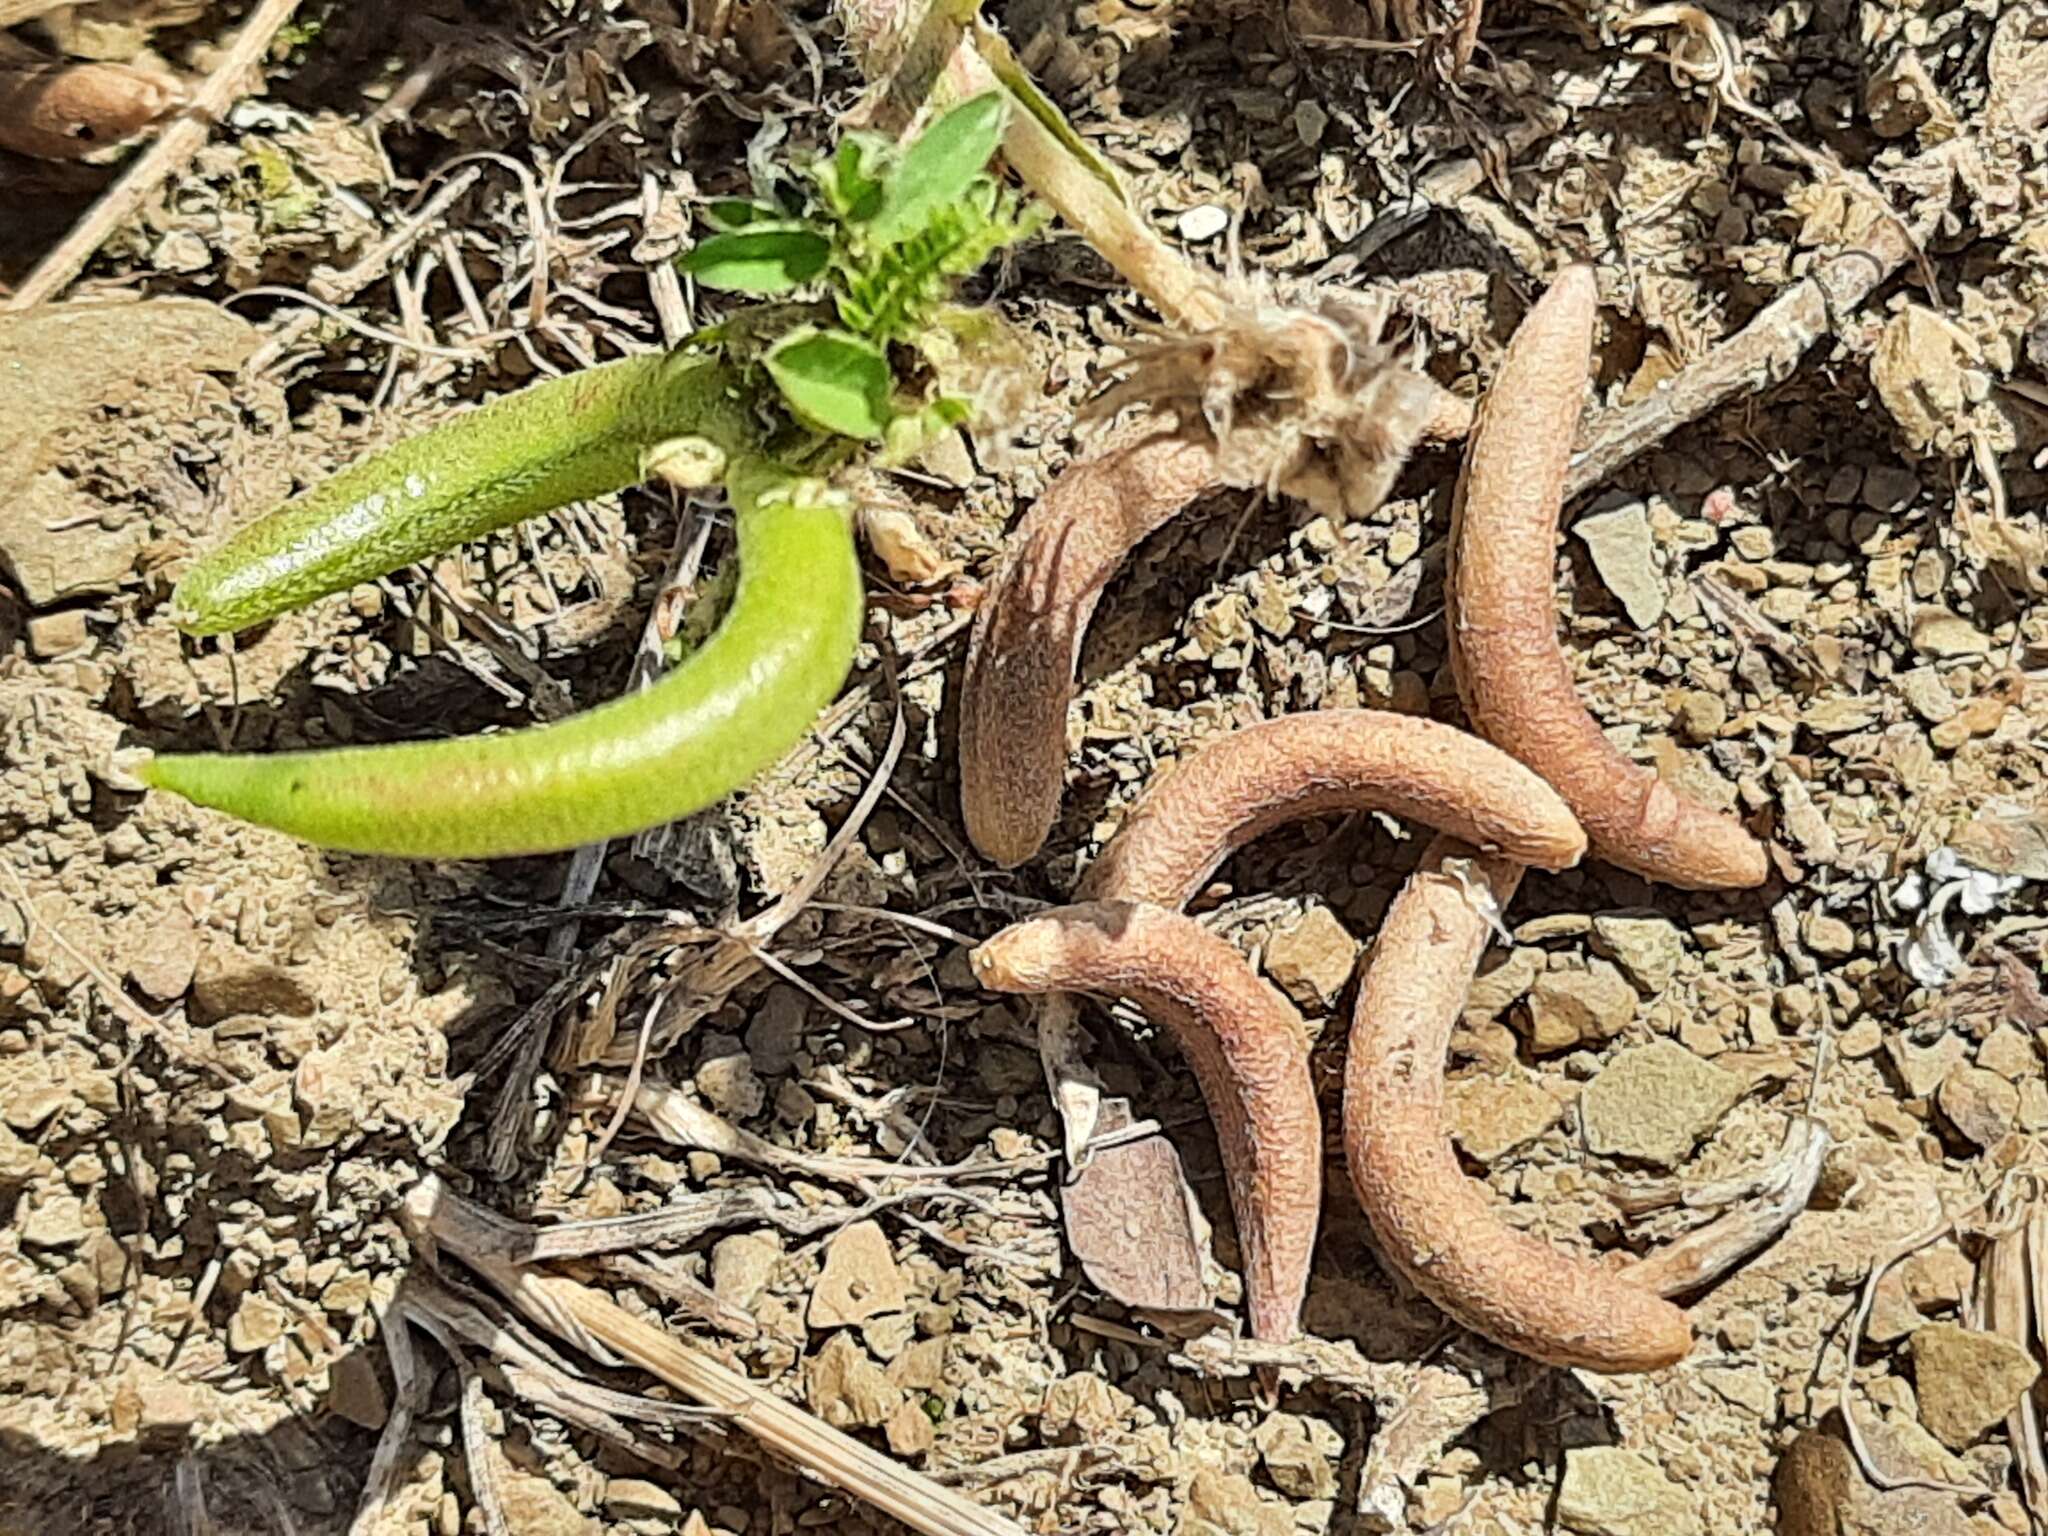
x=1249, y=1051
x=1511, y=673
x=1305, y=398
x=1929, y=954
x=1433, y=1224
x=1338, y=760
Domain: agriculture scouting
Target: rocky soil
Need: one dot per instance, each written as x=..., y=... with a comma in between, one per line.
x=225, y=1058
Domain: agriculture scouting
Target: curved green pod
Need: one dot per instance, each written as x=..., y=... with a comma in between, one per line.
x=732, y=708
x=519, y=455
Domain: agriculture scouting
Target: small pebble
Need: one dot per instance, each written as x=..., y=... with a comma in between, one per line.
x=1205, y=222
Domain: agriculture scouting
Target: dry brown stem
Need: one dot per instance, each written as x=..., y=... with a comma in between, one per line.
x=1028, y=632
x=1249, y=1051
x=1763, y=353
x=59, y=109
x=1336, y=760
x=1512, y=675
x=1434, y=1225
x=1758, y=1213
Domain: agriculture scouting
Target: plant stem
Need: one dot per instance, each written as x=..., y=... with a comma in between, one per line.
x=929, y=51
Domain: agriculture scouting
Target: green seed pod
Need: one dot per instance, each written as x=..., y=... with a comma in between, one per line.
x=520, y=455
x=728, y=711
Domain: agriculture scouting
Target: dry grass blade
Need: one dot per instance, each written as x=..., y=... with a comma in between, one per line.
x=409, y=1394
x=2027, y=1431
x=1859, y=1322
x=2010, y=1306
x=703, y=985
x=14, y=12
x=595, y=1322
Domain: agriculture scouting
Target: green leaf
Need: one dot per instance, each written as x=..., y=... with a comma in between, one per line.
x=909, y=435
x=939, y=167
x=759, y=258
x=727, y=213
x=833, y=380
x=848, y=179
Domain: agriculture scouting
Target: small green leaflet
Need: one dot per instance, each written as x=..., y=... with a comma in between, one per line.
x=938, y=168
x=847, y=178
x=833, y=380
x=759, y=258
x=733, y=212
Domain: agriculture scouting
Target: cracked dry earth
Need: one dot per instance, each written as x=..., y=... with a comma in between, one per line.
x=224, y=1058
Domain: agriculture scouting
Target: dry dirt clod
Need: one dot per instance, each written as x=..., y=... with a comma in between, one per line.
x=534, y=1504
x=1820, y=1491
x=1979, y=1103
x=635, y=1498
x=1654, y=1103
x=1491, y=1117
x=860, y=1279
x=847, y=1389
x=1967, y=1381
x=1312, y=958
x=1572, y=1008
x=742, y=1266
x=1608, y=1491
x=1649, y=950
x=1226, y=1504
x=1625, y=555
x=1299, y=1454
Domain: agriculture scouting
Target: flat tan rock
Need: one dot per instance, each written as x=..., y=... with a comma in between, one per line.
x=860, y=1279
x=1967, y=1380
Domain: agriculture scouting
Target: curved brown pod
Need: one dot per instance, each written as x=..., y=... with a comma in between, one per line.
x=1512, y=675
x=1434, y=1225
x=1028, y=632
x=64, y=109
x=1249, y=1051
x=1250, y=781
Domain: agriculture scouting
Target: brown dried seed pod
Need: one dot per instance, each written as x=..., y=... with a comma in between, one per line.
x=1027, y=635
x=55, y=109
x=1249, y=1051
x=1253, y=780
x=1512, y=675
x=1434, y=1225
x=1304, y=399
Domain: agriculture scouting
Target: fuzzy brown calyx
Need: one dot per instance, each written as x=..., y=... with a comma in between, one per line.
x=1307, y=399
